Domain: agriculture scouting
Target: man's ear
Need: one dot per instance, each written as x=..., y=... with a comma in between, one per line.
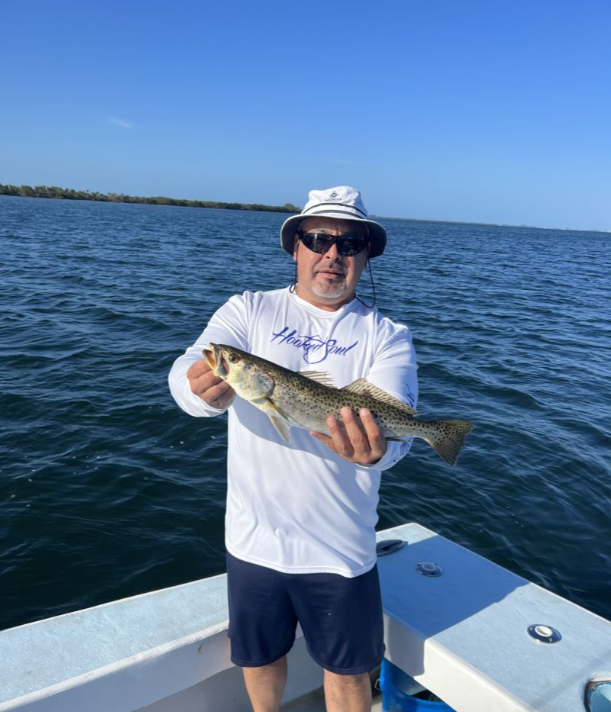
x=295, y=247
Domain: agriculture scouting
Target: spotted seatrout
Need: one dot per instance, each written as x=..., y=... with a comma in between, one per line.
x=307, y=399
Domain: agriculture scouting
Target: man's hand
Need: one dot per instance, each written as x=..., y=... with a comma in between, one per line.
x=359, y=445
x=210, y=388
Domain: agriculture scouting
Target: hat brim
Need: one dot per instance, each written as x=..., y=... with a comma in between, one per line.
x=377, y=234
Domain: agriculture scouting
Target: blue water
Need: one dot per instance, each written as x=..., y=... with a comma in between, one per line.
x=107, y=489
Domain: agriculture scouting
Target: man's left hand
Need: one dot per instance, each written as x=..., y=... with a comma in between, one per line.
x=360, y=444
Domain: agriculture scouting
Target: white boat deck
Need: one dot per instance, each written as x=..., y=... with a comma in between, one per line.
x=463, y=635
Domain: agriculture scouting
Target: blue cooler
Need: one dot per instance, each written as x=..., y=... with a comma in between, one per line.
x=397, y=692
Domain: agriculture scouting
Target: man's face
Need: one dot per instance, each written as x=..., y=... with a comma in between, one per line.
x=329, y=280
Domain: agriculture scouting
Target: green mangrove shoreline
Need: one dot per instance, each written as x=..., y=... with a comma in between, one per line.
x=51, y=191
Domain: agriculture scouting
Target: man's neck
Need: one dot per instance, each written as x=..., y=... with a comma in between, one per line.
x=322, y=303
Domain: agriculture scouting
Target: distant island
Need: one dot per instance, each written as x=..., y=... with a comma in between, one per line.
x=52, y=191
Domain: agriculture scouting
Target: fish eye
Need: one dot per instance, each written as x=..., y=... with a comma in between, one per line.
x=234, y=358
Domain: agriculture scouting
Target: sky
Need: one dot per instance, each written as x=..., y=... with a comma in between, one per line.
x=494, y=111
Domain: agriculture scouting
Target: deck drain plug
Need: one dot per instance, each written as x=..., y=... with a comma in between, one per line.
x=544, y=633
x=428, y=568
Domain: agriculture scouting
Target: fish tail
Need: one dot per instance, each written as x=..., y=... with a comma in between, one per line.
x=448, y=438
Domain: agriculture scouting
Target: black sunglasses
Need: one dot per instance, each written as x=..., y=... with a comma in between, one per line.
x=320, y=242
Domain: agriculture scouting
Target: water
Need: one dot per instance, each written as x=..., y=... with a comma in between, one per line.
x=108, y=490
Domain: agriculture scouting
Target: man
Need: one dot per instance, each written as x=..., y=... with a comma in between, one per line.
x=300, y=523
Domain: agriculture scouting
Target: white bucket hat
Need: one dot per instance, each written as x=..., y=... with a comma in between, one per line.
x=341, y=203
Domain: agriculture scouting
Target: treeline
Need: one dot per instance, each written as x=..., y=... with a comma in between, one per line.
x=52, y=191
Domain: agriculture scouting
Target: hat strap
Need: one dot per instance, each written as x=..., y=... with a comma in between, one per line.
x=373, y=289
x=293, y=287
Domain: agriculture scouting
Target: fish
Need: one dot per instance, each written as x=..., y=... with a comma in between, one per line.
x=306, y=399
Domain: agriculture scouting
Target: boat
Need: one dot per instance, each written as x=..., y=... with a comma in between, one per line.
x=478, y=636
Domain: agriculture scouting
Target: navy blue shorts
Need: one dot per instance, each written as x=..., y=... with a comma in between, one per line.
x=341, y=618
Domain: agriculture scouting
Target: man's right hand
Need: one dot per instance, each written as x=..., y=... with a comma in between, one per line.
x=210, y=388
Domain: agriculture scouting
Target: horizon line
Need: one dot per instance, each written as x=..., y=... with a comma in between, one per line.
x=275, y=208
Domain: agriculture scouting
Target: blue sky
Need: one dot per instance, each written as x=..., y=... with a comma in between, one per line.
x=485, y=111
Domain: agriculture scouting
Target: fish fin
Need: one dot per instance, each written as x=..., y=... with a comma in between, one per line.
x=280, y=420
x=282, y=427
x=319, y=376
x=364, y=388
x=277, y=411
x=451, y=439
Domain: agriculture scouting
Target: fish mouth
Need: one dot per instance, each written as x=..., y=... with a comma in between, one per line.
x=216, y=360
x=210, y=357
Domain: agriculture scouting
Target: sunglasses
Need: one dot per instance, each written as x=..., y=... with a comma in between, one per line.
x=320, y=242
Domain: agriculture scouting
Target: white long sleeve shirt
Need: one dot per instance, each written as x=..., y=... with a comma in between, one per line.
x=299, y=508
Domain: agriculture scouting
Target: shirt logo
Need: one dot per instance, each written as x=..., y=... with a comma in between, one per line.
x=315, y=348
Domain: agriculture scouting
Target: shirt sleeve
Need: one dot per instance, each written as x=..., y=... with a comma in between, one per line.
x=395, y=370
x=228, y=326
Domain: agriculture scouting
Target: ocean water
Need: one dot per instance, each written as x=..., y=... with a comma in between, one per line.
x=108, y=490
